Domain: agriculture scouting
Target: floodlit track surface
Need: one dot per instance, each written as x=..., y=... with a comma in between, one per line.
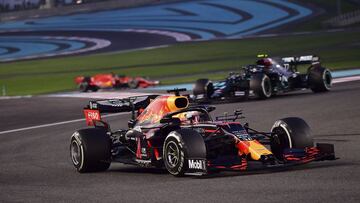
x=35, y=164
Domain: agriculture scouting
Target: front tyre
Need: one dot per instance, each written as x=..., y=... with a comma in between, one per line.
x=133, y=84
x=261, y=86
x=90, y=150
x=174, y=156
x=288, y=133
x=84, y=87
x=319, y=79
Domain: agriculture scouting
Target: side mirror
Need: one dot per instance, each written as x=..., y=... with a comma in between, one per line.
x=238, y=112
x=131, y=123
x=170, y=121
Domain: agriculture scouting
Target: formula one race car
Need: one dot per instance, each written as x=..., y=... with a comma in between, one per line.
x=110, y=80
x=266, y=78
x=168, y=133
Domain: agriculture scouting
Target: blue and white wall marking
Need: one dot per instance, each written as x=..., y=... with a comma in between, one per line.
x=29, y=47
x=184, y=21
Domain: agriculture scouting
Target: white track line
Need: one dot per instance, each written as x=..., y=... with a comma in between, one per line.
x=55, y=124
x=346, y=79
x=15, y=97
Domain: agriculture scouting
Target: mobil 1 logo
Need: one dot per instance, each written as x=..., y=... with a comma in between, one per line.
x=197, y=164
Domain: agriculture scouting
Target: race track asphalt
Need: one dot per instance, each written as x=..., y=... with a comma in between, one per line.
x=35, y=164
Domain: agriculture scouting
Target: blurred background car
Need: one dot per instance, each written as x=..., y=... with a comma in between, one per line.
x=111, y=80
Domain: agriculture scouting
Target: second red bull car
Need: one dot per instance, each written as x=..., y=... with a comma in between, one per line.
x=166, y=132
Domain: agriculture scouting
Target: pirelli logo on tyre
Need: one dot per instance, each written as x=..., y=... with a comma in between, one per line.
x=197, y=164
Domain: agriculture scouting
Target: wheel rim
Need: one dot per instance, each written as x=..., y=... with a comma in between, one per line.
x=75, y=152
x=172, y=154
x=280, y=135
x=327, y=78
x=280, y=141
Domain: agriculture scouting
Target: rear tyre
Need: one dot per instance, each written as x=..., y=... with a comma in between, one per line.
x=203, y=87
x=261, y=86
x=319, y=79
x=90, y=150
x=94, y=88
x=290, y=133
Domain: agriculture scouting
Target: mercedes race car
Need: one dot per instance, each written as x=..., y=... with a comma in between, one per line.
x=166, y=132
x=268, y=77
x=110, y=80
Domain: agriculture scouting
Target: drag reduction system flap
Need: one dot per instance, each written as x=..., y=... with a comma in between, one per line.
x=121, y=105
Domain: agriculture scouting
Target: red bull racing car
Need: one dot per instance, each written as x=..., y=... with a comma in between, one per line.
x=110, y=80
x=166, y=132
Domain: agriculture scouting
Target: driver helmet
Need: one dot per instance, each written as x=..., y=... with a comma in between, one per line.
x=266, y=62
x=194, y=117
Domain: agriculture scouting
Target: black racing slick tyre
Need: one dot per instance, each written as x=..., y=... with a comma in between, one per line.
x=180, y=147
x=84, y=87
x=288, y=133
x=90, y=150
x=174, y=155
x=133, y=84
x=319, y=79
x=203, y=87
x=261, y=86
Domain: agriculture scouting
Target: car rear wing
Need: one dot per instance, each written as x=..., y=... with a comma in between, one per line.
x=121, y=105
x=131, y=104
x=297, y=60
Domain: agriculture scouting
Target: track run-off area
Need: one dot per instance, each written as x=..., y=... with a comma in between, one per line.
x=174, y=22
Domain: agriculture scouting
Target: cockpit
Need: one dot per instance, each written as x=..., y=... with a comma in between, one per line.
x=193, y=116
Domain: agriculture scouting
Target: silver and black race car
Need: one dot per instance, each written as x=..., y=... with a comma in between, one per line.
x=268, y=77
